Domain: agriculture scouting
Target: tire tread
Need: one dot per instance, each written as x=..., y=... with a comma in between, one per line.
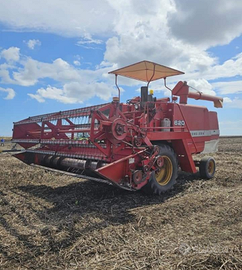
x=152, y=187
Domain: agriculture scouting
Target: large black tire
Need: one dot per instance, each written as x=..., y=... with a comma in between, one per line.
x=163, y=180
x=207, y=167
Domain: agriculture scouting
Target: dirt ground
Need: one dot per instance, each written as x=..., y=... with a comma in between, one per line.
x=53, y=221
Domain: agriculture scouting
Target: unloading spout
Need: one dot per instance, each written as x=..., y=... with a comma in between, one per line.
x=182, y=90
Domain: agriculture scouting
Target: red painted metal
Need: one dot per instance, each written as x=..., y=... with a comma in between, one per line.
x=182, y=90
x=117, y=142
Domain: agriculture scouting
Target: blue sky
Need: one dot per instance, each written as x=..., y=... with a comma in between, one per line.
x=55, y=55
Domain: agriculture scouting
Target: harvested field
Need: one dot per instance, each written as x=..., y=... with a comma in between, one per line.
x=53, y=221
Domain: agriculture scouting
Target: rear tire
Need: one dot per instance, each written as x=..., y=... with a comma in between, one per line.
x=163, y=180
x=207, y=167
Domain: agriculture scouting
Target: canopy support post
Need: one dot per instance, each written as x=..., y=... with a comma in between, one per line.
x=116, y=83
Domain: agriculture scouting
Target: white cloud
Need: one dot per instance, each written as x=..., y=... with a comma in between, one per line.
x=231, y=87
x=135, y=29
x=142, y=33
x=69, y=18
x=227, y=100
x=32, y=43
x=201, y=85
x=76, y=85
x=53, y=93
x=38, y=97
x=170, y=32
x=32, y=71
x=76, y=63
x=87, y=39
x=10, y=54
x=235, y=103
x=74, y=92
x=4, y=75
x=228, y=69
x=29, y=72
x=10, y=92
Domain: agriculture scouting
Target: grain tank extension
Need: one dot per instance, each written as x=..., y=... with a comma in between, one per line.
x=137, y=145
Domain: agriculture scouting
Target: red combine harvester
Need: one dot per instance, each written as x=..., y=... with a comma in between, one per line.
x=138, y=145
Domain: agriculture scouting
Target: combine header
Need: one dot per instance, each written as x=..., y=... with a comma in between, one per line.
x=137, y=145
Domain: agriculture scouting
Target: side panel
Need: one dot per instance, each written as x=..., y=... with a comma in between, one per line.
x=193, y=130
x=203, y=126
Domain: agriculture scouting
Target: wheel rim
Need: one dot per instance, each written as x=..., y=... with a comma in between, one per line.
x=211, y=167
x=163, y=176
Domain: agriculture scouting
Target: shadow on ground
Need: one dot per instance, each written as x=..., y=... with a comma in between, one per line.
x=100, y=200
x=56, y=218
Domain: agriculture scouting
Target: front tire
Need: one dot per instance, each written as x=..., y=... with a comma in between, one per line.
x=162, y=180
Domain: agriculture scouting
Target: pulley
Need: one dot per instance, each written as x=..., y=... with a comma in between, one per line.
x=119, y=129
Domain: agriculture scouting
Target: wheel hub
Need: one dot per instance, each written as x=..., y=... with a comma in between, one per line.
x=164, y=173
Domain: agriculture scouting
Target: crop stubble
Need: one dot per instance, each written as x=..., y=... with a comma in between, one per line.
x=53, y=221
